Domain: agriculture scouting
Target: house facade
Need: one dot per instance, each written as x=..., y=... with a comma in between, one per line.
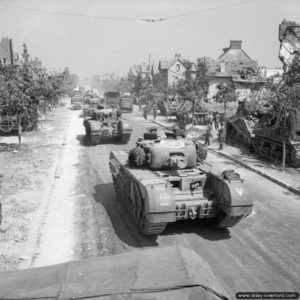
x=170, y=71
x=234, y=66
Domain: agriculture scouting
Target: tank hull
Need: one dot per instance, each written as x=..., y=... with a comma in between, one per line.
x=155, y=198
x=269, y=144
x=96, y=131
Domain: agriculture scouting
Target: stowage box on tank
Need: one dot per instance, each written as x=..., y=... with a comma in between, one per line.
x=160, y=181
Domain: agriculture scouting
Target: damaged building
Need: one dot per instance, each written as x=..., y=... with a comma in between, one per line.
x=234, y=66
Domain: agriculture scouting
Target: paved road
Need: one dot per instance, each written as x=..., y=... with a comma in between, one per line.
x=259, y=254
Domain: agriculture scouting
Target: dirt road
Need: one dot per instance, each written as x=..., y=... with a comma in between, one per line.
x=84, y=220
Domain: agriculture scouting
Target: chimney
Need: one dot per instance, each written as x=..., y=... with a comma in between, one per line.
x=236, y=44
x=177, y=56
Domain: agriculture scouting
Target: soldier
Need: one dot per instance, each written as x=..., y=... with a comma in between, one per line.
x=221, y=136
x=208, y=134
x=154, y=110
x=217, y=120
x=119, y=113
x=145, y=114
x=179, y=133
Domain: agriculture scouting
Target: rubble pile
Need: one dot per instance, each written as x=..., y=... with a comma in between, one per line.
x=289, y=37
x=239, y=70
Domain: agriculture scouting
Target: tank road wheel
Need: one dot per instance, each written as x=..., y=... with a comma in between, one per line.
x=150, y=228
x=222, y=221
x=95, y=139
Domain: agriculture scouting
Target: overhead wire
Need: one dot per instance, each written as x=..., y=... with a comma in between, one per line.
x=149, y=20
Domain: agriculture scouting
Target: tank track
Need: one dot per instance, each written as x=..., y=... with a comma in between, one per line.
x=228, y=222
x=124, y=139
x=123, y=195
x=94, y=139
x=266, y=152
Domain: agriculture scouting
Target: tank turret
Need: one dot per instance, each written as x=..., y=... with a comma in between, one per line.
x=161, y=153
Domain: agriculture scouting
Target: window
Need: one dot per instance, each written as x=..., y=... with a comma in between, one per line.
x=177, y=67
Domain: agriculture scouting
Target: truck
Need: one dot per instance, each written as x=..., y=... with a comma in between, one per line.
x=126, y=103
x=112, y=98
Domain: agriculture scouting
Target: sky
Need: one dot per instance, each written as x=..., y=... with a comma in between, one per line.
x=108, y=36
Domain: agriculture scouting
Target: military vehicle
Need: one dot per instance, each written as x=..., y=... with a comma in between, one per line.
x=76, y=100
x=173, y=272
x=112, y=98
x=90, y=105
x=160, y=181
x=104, y=123
x=239, y=128
x=126, y=103
x=272, y=130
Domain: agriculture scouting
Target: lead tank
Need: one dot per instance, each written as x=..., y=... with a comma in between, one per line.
x=104, y=123
x=272, y=130
x=160, y=181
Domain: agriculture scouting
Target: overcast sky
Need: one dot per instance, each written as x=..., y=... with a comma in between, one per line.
x=62, y=32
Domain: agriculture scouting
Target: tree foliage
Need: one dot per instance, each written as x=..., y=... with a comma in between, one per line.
x=226, y=93
x=24, y=87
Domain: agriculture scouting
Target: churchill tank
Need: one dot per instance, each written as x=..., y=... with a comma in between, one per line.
x=162, y=180
x=273, y=130
x=104, y=123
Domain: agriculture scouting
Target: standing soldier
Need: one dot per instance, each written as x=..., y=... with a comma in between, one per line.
x=154, y=110
x=145, y=111
x=217, y=121
x=221, y=136
x=119, y=113
x=208, y=134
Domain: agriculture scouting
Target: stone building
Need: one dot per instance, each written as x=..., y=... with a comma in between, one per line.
x=172, y=70
x=7, y=55
x=234, y=66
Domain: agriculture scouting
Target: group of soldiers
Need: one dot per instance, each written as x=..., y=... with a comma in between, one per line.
x=147, y=109
x=219, y=127
x=182, y=119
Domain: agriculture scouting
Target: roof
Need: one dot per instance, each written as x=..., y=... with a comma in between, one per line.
x=167, y=64
x=161, y=273
x=234, y=54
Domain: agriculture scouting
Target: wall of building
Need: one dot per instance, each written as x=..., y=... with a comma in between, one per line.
x=174, y=74
x=163, y=74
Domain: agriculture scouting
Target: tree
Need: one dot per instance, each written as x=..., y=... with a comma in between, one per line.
x=226, y=93
x=292, y=75
x=23, y=88
x=285, y=95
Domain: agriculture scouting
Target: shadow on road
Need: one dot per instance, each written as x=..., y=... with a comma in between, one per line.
x=104, y=141
x=122, y=224
x=199, y=227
